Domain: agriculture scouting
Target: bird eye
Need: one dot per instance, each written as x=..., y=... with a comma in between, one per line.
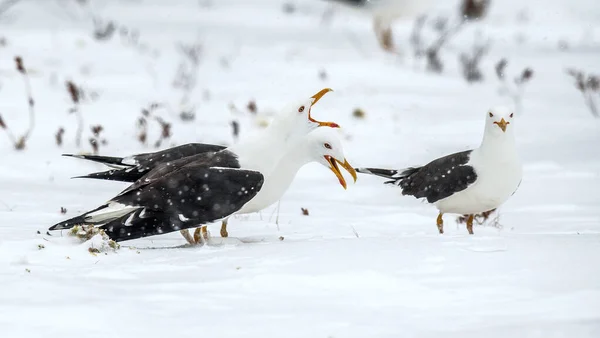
x=491, y=115
x=327, y=145
x=511, y=115
x=301, y=109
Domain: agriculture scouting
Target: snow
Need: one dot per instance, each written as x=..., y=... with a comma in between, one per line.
x=367, y=262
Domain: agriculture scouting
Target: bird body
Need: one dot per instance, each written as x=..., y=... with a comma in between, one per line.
x=384, y=13
x=499, y=173
x=387, y=9
x=320, y=146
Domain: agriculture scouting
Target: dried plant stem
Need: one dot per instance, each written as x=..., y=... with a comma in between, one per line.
x=79, y=131
x=515, y=94
x=517, y=91
x=588, y=85
x=447, y=34
x=10, y=135
x=75, y=94
x=147, y=115
x=277, y=218
x=30, y=104
x=591, y=103
x=20, y=142
x=6, y=205
x=434, y=63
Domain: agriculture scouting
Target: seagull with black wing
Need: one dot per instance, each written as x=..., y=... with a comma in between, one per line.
x=468, y=182
x=187, y=191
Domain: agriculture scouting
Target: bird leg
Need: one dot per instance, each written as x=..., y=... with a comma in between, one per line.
x=200, y=234
x=197, y=236
x=470, y=224
x=186, y=234
x=224, y=229
x=440, y=223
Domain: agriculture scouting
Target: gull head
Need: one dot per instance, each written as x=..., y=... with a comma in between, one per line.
x=297, y=120
x=326, y=149
x=499, y=120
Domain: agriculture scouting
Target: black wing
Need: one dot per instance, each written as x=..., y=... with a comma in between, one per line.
x=188, y=198
x=132, y=168
x=225, y=159
x=434, y=181
x=175, y=195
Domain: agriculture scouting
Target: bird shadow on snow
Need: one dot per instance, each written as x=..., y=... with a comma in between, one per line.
x=213, y=242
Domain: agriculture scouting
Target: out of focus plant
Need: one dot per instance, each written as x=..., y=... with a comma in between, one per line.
x=589, y=86
x=514, y=89
x=186, y=76
x=150, y=114
x=19, y=142
x=482, y=218
x=469, y=10
x=470, y=63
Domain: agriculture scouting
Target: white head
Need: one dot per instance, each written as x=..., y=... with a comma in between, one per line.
x=325, y=148
x=296, y=121
x=499, y=121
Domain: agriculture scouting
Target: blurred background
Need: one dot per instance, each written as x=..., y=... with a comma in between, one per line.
x=412, y=81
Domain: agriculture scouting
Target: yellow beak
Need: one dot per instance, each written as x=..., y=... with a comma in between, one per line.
x=502, y=124
x=336, y=170
x=316, y=98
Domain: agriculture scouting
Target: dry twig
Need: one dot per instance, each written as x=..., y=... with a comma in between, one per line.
x=20, y=142
x=470, y=10
x=515, y=90
x=470, y=63
x=589, y=86
x=481, y=218
x=75, y=95
x=150, y=114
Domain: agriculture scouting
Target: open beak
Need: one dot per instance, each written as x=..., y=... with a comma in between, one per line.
x=336, y=170
x=316, y=98
x=502, y=124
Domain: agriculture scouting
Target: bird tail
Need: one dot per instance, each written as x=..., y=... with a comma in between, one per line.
x=122, y=175
x=115, y=162
x=101, y=215
x=142, y=223
x=394, y=175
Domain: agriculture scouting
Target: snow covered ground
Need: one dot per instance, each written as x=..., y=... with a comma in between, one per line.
x=366, y=262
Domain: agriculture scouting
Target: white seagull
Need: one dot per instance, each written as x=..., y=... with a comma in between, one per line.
x=384, y=13
x=468, y=182
x=182, y=192
x=321, y=146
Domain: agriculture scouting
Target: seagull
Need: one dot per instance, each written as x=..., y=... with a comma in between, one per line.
x=321, y=146
x=384, y=13
x=187, y=191
x=467, y=182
